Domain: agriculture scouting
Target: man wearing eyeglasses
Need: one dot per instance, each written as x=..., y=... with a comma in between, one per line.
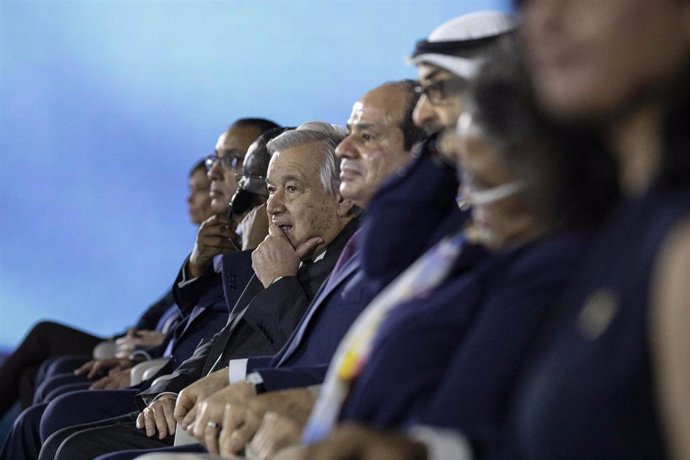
x=250, y=199
x=204, y=300
x=217, y=234
x=446, y=60
x=311, y=223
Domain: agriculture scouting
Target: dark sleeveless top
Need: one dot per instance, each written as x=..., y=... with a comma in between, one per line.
x=590, y=394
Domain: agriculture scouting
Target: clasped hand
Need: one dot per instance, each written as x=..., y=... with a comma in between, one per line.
x=216, y=235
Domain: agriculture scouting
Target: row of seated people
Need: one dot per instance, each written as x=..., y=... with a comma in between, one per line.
x=52, y=349
x=477, y=267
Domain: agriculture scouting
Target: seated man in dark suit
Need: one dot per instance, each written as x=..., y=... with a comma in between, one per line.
x=447, y=361
x=381, y=135
x=203, y=315
x=446, y=60
x=230, y=149
x=310, y=224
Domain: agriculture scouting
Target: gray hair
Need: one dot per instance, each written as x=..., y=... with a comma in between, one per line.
x=327, y=136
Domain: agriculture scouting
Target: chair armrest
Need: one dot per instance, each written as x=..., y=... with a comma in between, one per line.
x=144, y=370
x=105, y=350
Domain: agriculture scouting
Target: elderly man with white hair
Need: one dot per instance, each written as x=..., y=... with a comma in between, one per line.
x=310, y=223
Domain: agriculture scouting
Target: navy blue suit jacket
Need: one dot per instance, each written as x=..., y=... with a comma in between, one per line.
x=410, y=213
x=450, y=359
x=260, y=323
x=304, y=359
x=212, y=293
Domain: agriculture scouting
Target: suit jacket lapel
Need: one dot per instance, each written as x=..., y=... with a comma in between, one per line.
x=310, y=277
x=314, y=277
x=326, y=289
x=253, y=288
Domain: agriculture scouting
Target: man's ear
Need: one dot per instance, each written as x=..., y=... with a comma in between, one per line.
x=344, y=206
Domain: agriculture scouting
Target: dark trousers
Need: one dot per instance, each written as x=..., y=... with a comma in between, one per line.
x=38, y=422
x=87, y=441
x=24, y=439
x=86, y=406
x=49, y=388
x=61, y=365
x=46, y=339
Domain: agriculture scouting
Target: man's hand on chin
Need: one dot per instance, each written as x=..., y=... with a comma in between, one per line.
x=275, y=257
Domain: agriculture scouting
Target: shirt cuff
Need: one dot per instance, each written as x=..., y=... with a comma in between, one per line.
x=278, y=278
x=442, y=443
x=185, y=281
x=237, y=370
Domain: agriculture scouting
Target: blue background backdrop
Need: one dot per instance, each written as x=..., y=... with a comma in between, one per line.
x=105, y=105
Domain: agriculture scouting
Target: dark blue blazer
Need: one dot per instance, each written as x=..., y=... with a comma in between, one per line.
x=260, y=323
x=210, y=313
x=409, y=213
x=449, y=359
x=590, y=392
x=304, y=359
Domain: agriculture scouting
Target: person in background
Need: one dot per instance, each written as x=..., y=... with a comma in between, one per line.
x=69, y=347
x=250, y=199
x=200, y=318
x=217, y=233
x=310, y=224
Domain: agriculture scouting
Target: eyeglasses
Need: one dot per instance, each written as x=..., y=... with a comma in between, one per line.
x=440, y=92
x=228, y=162
x=249, y=178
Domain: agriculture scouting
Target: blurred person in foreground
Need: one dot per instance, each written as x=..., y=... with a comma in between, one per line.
x=611, y=377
